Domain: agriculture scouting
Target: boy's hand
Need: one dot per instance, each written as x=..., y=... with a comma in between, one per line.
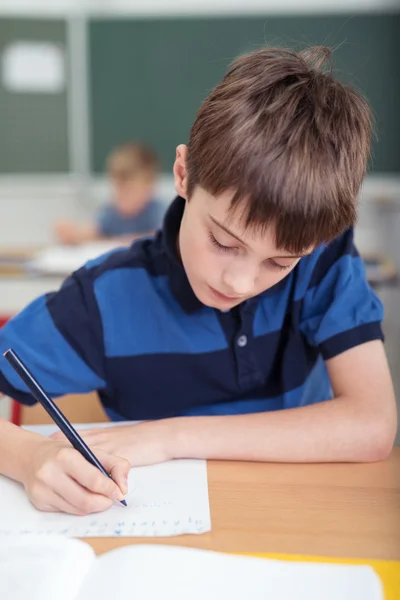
x=66, y=232
x=142, y=444
x=57, y=478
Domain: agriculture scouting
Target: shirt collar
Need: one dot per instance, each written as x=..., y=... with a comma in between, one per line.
x=178, y=280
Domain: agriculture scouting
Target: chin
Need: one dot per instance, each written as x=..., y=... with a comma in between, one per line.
x=203, y=297
x=207, y=300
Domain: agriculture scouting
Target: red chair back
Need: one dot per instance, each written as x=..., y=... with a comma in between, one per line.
x=15, y=416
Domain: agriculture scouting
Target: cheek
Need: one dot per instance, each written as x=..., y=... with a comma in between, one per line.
x=132, y=194
x=138, y=194
x=269, y=278
x=197, y=256
x=118, y=195
x=201, y=257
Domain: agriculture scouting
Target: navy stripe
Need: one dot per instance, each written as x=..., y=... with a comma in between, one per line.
x=341, y=246
x=230, y=322
x=350, y=338
x=145, y=253
x=178, y=280
x=202, y=379
x=7, y=389
x=76, y=315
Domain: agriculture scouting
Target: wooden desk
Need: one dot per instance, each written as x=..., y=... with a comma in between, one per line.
x=336, y=510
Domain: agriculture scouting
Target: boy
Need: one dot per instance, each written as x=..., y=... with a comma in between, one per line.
x=132, y=170
x=245, y=329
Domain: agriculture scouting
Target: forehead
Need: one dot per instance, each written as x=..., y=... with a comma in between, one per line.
x=219, y=209
x=260, y=238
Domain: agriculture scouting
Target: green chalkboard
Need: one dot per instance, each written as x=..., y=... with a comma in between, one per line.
x=33, y=129
x=149, y=76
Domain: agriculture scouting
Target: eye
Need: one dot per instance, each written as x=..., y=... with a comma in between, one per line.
x=277, y=266
x=218, y=245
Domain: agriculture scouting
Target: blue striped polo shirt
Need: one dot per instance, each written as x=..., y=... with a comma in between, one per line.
x=129, y=325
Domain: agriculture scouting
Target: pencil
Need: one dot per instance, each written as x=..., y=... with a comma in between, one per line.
x=55, y=413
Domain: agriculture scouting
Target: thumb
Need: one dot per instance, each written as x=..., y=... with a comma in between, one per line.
x=57, y=435
x=118, y=468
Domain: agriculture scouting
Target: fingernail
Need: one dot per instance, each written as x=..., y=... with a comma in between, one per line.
x=117, y=496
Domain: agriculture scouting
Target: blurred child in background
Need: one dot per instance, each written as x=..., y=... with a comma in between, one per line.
x=133, y=211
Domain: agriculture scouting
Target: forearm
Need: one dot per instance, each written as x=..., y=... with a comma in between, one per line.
x=333, y=431
x=128, y=239
x=15, y=445
x=87, y=233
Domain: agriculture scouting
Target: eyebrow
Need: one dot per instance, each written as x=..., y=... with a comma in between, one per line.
x=229, y=232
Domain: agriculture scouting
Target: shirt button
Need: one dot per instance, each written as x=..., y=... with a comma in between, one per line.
x=242, y=341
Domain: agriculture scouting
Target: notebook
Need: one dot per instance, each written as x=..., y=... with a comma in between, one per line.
x=163, y=500
x=167, y=499
x=66, y=569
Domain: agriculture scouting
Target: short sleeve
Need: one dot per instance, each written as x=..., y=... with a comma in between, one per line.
x=158, y=214
x=59, y=338
x=152, y=216
x=339, y=308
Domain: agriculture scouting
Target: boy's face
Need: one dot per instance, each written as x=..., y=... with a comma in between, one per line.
x=225, y=263
x=131, y=194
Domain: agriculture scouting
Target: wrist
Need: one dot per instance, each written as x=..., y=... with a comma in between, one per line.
x=172, y=438
x=17, y=447
x=178, y=436
x=26, y=456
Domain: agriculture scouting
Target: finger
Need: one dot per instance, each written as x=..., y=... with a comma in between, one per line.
x=57, y=435
x=91, y=437
x=119, y=470
x=60, y=504
x=91, y=477
x=82, y=501
x=90, y=432
x=47, y=500
x=86, y=433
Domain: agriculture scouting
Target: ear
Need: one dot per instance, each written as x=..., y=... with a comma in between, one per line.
x=180, y=170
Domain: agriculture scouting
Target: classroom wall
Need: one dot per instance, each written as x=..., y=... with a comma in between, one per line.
x=42, y=200
x=121, y=85
x=353, y=25
x=160, y=7
x=152, y=90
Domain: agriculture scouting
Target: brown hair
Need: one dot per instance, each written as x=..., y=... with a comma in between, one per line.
x=132, y=160
x=289, y=139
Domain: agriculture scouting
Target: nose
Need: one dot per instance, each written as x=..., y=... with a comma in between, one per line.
x=240, y=281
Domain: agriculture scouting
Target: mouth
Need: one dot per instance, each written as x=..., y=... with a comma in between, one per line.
x=223, y=297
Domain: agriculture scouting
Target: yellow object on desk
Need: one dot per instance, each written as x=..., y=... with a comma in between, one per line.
x=388, y=570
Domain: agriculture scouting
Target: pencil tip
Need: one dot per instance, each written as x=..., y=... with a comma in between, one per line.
x=123, y=502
